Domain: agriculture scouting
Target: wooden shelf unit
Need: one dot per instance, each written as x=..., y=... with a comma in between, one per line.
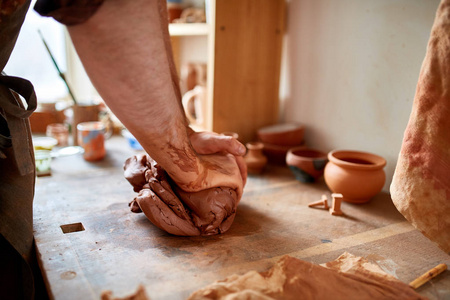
x=243, y=63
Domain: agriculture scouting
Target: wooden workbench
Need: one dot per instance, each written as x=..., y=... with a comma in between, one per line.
x=118, y=250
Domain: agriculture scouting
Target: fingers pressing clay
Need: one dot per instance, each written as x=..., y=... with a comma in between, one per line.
x=242, y=168
x=236, y=147
x=207, y=212
x=209, y=142
x=135, y=167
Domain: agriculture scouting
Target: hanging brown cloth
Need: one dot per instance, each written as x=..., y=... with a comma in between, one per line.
x=421, y=184
x=17, y=169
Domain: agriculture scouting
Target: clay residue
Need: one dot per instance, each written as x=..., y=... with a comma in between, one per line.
x=168, y=207
x=292, y=278
x=351, y=264
x=140, y=294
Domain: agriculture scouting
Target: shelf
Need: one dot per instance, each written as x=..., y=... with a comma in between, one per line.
x=180, y=29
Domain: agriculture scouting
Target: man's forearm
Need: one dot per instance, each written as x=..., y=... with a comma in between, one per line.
x=125, y=49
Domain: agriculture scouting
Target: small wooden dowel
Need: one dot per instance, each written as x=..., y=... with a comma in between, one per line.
x=421, y=280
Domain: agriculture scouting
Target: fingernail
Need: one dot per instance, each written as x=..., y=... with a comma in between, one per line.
x=242, y=150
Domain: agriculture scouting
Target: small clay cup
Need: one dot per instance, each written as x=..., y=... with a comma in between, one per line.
x=91, y=136
x=357, y=175
x=307, y=164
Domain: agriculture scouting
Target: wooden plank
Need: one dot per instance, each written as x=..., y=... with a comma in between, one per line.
x=248, y=40
x=119, y=250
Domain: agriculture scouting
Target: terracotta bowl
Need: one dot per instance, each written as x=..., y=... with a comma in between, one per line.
x=276, y=154
x=358, y=176
x=307, y=164
x=288, y=134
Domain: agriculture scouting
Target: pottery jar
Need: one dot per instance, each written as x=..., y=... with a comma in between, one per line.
x=306, y=164
x=358, y=176
x=255, y=159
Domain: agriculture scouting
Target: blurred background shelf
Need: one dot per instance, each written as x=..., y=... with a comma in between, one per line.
x=180, y=29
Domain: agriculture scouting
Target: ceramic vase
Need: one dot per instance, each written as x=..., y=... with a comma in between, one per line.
x=306, y=164
x=358, y=176
x=255, y=159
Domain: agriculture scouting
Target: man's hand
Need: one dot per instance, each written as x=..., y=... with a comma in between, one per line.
x=205, y=143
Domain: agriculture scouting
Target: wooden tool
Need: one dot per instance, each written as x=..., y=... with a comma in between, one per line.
x=335, y=209
x=322, y=202
x=421, y=280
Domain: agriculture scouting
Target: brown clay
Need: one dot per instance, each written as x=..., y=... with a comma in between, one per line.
x=206, y=212
x=255, y=159
x=358, y=176
x=292, y=278
x=335, y=209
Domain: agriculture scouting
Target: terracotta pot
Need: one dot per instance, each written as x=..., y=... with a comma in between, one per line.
x=277, y=154
x=358, y=176
x=255, y=159
x=288, y=134
x=307, y=164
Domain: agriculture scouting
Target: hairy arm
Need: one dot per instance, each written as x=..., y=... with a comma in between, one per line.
x=125, y=49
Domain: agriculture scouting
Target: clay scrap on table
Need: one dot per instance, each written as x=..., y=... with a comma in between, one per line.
x=348, y=277
x=207, y=212
x=420, y=187
x=140, y=294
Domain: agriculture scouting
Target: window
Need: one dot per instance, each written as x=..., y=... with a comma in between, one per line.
x=30, y=59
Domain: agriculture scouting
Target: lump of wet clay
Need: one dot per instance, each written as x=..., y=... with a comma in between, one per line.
x=171, y=209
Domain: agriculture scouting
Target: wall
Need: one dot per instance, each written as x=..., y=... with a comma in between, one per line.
x=350, y=71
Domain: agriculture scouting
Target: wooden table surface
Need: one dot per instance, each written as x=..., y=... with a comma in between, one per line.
x=119, y=250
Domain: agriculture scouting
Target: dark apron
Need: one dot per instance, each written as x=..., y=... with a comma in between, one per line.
x=17, y=168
